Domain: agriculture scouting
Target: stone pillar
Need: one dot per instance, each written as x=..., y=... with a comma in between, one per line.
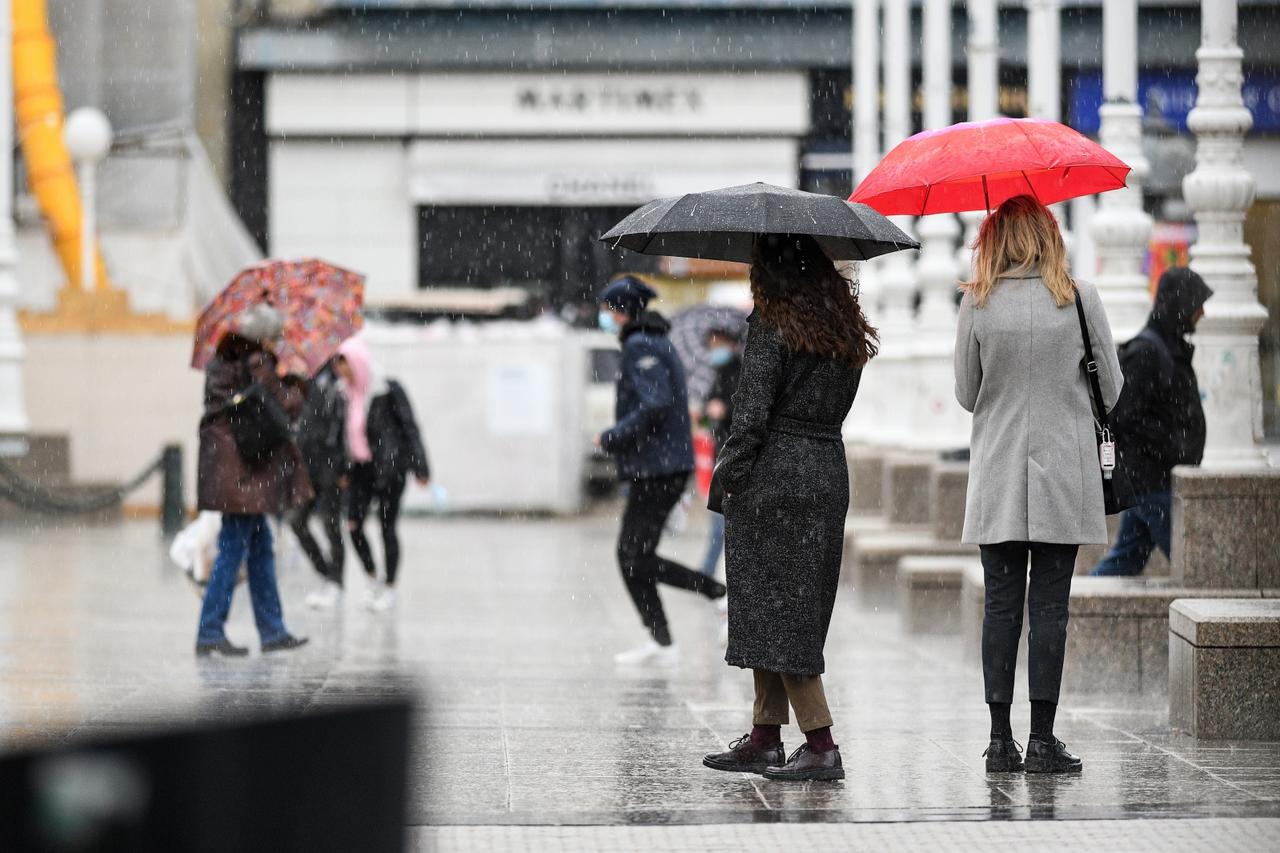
x=13, y=409
x=1121, y=228
x=1219, y=192
x=897, y=278
x=1044, y=59
x=984, y=98
x=862, y=426
x=939, y=420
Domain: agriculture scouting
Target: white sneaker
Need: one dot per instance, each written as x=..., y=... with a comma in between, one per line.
x=327, y=597
x=382, y=601
x=373, y=591
x=650, y=652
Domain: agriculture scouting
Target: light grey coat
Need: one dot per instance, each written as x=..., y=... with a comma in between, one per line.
x=1033, y=471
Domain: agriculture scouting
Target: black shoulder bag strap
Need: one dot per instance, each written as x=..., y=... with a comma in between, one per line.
x=1091, y=370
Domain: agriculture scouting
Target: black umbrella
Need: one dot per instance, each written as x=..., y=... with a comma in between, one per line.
x=723, y=224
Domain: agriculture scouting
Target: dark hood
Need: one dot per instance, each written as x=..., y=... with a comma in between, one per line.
x=649, y=321
x=1179, y=295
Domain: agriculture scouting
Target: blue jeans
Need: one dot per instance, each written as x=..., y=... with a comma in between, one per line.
x=1142, y=528
x=715, y=545
x=241, y=535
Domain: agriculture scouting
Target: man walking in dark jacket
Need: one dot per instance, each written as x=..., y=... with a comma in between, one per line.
x=1159, y=421
x=652, y=445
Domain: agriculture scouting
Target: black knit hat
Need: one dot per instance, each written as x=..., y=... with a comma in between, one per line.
x=627, y=294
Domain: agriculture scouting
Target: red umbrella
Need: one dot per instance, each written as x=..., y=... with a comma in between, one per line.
x=320, y=302
x=978, y=165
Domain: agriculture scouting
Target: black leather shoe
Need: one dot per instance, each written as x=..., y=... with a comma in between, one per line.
x=222, y=647
x=1003, y=756
x=745, y=757
x=1051, y=757
x=806, y=765
x=288, y=641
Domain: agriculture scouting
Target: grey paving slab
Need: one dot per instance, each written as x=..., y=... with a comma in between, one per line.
x=506, y=631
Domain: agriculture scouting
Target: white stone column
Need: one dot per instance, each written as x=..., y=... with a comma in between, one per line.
x=1121, y=228
x=1044, y=59
x=897, y=276
x=1219, y=192
x=984, y=99
x=13, y=407
x=939, y=420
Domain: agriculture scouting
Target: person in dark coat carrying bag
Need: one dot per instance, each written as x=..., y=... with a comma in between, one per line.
x=652, y=445
x=248, y=468
x=1159, y=421
x=385, y=447
x=782, y=483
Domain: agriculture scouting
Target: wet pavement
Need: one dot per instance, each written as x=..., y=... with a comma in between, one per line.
x=506, y=630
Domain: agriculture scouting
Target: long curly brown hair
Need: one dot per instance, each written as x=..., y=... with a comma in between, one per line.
x=797, y=288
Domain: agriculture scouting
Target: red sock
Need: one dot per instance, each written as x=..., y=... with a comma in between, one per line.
x=766, y=737
x=819, y=740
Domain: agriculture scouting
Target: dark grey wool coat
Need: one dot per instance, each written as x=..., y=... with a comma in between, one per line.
x=787, y=487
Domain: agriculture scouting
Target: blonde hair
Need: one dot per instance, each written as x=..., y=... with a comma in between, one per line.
x=1020, y=237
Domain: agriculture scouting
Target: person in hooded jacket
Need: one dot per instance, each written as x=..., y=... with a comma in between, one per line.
x=322, y=439
x=246, y=490
x=722, y=349
x=1159, y=421
x=385, y=446
x=652, y=446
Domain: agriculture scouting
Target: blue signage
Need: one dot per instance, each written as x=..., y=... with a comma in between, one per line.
x=1173, y=94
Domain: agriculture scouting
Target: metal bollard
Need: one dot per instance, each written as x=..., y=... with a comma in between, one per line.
x=173, y=513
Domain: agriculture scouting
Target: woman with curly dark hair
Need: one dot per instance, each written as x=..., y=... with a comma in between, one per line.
x=786, y=487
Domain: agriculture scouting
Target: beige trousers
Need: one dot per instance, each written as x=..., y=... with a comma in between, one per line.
x=804, y=692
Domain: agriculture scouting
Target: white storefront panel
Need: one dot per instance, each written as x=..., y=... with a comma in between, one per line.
x=576, y=104
x=583, y=172
x=346, y=202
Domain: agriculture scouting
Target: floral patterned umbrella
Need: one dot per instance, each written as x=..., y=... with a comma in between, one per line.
x=320, y=302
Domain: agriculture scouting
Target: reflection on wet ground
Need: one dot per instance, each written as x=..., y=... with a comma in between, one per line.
x=507, y=629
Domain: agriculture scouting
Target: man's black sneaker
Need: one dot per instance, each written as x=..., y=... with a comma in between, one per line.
x=1051, y=757
x=222, y=647
x=1003, y=756
x=288, y=641
x=745, y=757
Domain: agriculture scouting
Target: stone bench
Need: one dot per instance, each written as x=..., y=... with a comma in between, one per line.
x=1117, y=637
x=1224, y=668
x=873, y=557
x=1224, y=528
x=929, y=593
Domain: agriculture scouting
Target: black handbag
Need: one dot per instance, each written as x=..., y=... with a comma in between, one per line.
x=715, y=493
x=258, y=423
x=1117, y=491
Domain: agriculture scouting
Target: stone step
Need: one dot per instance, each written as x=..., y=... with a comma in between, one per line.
x=872, y=566
x=929, y=593
x=1224, y=668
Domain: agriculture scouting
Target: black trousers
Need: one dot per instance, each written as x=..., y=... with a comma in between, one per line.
x=1005, y=568
x=649, y=503
x=365, y=490
x=327, y=504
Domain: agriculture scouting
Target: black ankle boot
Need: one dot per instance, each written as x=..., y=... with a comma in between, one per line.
x=1003, y=756
x=745, y=757
x=1051, y=756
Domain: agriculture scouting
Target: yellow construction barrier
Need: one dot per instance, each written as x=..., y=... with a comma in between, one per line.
x=39, y=108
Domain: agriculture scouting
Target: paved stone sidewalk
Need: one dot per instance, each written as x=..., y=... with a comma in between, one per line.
x=507, y=628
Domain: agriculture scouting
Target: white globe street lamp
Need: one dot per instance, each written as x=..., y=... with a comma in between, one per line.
x=88, y=136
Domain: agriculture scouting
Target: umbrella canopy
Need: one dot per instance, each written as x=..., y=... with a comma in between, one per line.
x=978, y=165
x=688, y=335
x=723, y=224
x=320, y=303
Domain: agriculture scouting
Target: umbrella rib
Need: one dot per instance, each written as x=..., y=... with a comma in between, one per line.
x=986, y=199
x=1034, y=194
x=924, y=208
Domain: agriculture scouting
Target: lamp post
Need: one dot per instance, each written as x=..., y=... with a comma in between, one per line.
x=13, y=411
x=1219, y=192
x=88, y=137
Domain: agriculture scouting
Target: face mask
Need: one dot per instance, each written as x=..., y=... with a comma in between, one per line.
x=607, y=322
x=720, y=356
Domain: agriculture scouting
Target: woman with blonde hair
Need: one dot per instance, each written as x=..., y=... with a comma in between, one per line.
x=1035, y=487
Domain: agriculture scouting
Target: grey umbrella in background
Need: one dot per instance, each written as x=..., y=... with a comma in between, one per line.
x=723, y=224
x=688, y=335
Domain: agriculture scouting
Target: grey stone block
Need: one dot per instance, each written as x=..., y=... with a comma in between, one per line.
x=973, y=593
x=1224, y=668
x=866, y=474
x=1103, y=654
x=906, y=490
x=949, y=486
x=1224, y=527
x=873, y=568
x=929, y=594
